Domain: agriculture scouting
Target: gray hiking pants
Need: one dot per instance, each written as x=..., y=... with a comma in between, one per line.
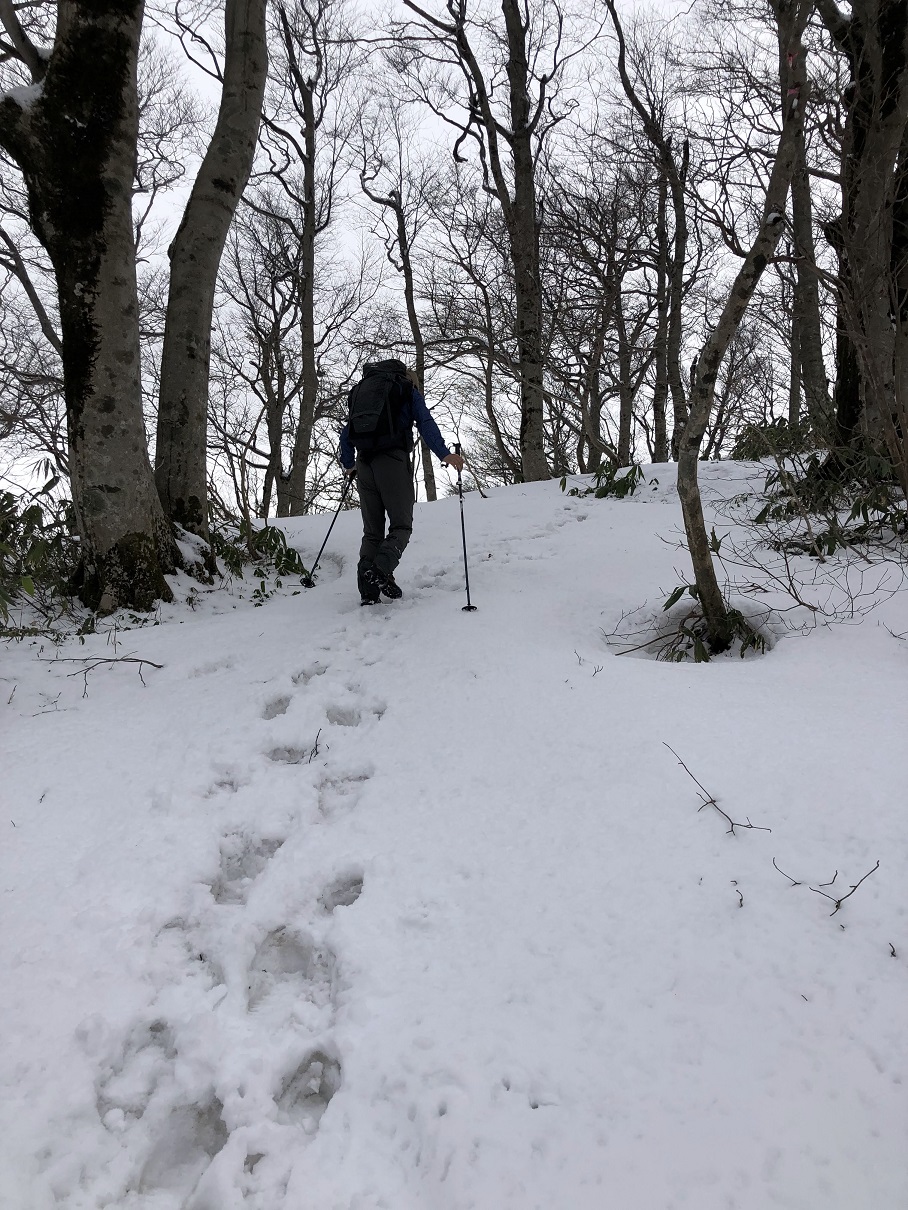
x=385, y=486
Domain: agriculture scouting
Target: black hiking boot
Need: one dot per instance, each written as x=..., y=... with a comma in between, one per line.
x=369, y=583
x=389, y=586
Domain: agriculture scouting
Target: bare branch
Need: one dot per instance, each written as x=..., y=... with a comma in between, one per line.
x=838, y=902
x=22, y=45
x=710, y=801
x=20, y=270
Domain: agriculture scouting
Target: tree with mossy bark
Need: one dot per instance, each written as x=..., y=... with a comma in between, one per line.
x=72, y=131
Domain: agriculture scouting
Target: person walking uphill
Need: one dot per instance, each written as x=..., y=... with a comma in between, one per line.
x=375, y=446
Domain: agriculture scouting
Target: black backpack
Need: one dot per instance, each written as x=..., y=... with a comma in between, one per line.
x=376, y=407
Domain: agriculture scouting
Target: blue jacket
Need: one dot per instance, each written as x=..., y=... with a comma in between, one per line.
x=412, y=413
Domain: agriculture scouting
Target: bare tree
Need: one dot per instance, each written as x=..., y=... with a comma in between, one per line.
x=307, y=126
x=82, y=95
x=527, y=51
x=791, y=18
x=396, y=182
x=258, y=347
x=467, y=287
x=649, y=99
x=195, y=255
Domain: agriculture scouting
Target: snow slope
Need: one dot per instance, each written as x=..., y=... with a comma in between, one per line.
x=409, y=908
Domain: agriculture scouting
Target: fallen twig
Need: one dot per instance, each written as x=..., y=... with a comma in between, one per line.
x=838, y=902
x=93, y=662
x=793, y=881
x=709, y=800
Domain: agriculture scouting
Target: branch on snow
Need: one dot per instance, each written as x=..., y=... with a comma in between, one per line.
x=709, y=800
x=818, y=889
x=838, y=902
x=93, y=662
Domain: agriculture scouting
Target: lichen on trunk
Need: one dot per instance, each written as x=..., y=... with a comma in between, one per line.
x=76, y=147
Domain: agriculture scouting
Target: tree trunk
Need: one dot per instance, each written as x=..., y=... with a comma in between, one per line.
x=419, y=344
x=660, y=387
x=274, y=425
x=794, y=371
x=195, y=256
x=75, y=143
x=792, y=18
x=900, y=278
x=677, y=176
x=518, y=210
x=302, y=445
x=875, y=40
x=625, y=389
x=523, y=232
x=806, y=307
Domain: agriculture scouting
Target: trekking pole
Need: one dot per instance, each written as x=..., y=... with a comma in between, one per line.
x=309, y=581
x=468, y=608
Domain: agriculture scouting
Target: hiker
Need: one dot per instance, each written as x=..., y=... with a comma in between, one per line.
x=375, y=446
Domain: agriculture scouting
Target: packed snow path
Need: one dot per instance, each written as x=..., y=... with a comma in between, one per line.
x=408, y=908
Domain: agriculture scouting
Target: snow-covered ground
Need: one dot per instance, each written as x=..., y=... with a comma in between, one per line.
x=411, y=908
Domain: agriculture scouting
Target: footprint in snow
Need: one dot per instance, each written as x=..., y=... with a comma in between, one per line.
x=341, y=791
x=276, y=707
x=309, y=673
x=213, y=666
x=196, y=960
x=243, y=858
x=352, y=716
x=288, y=754
x=293, y=965
x=184, y=1145
x=125, y=1089
x=174, y=1136
x=307, y=1091
x=343, y=716
x=343, y=891
x=229, y=781
x=331, y=567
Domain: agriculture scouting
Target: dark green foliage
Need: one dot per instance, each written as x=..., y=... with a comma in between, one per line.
x=842, y=504
x=263, y=550
x=37, y=551
x=690, y=640
x=611, y=480
x=777, y=439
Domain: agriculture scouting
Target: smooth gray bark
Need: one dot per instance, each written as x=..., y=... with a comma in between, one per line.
x=195, y=256
x=792, y=18
x=75, y=142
